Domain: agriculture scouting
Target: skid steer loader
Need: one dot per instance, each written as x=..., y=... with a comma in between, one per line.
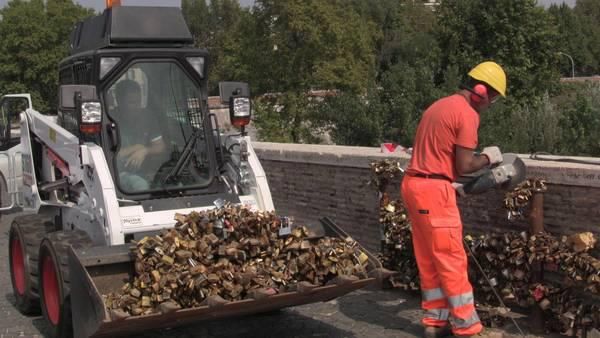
x=132, y=144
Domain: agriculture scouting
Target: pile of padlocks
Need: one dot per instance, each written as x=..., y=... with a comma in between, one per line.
x=396, y=245
x=518, y=199
x=509, y=260
x=230, y=252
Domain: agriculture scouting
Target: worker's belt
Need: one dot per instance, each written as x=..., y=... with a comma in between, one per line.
x=431, y=176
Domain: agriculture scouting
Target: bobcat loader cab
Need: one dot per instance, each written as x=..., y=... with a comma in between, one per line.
x=137, y=83
x=133, y=144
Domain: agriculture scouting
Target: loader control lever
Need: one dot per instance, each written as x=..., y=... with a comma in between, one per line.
x=215, y=131
x=183, y=158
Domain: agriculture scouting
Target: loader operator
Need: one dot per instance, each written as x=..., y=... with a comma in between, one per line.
x=443, y=150
x=138, y=139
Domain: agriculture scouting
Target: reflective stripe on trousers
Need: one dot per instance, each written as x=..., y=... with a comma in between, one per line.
x=436, y=307
x=463, y=310
x=432, y=294
x=464, y=323
x=456, y=302
x=461, y=300
x=437, y=314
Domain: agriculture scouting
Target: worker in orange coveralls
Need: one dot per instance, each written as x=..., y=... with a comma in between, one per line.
x=443, y=150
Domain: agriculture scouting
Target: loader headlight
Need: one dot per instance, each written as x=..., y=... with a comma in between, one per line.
x=241, y=107
x=239, y=110
x=91, y=112
x=91, y=117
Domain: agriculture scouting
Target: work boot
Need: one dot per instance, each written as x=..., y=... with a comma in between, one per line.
x=437, y=332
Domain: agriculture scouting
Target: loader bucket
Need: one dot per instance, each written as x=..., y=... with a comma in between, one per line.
x=101, y=270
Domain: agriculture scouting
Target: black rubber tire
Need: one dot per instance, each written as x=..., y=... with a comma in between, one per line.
x=56, y=246
x=29, y=230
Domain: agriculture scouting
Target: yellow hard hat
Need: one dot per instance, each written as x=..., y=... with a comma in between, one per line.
x=491, y=74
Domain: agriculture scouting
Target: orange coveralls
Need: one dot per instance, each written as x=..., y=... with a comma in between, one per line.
x=447, y=295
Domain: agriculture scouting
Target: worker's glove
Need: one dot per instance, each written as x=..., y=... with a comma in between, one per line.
x=135, y=160
x=493, y=154
x=459, y=189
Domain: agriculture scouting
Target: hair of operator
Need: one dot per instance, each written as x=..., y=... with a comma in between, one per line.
x=128, y=94
x=430, y=198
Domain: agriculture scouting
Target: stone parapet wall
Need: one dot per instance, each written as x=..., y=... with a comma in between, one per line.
x=313, y=181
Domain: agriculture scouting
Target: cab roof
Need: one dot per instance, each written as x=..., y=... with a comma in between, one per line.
x=131, y=26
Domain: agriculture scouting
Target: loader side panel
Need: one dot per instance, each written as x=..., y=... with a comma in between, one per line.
x=101, y=192
x=260, y=188
x=12, y=107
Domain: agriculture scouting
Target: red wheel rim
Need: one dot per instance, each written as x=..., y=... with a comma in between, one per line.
x=51, y=291
x=18, y=265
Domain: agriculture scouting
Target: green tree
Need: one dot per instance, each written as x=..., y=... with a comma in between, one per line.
x=517, y=34
x=34, y=37
x=218, y=28
x=276, y=115
x=575, y=41
x=408, y=64
x=199, y=21
x=302, y=45
x=225, y=47
x=353, y=120
x=588, y=13
x=407, y=91
x=581, y=123
x=309, y=44
x=531, y=127
x=408, y=36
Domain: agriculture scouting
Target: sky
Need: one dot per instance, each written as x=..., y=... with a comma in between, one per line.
x=99, y=4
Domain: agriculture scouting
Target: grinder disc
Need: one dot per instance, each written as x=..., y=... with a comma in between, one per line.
x=520, y=171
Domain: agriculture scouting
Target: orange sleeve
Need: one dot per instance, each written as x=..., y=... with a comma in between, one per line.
x=466, y=135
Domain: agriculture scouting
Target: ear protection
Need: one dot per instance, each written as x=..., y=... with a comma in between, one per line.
x=479, y=93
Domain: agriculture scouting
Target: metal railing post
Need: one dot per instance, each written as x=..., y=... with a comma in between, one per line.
x=536, y=218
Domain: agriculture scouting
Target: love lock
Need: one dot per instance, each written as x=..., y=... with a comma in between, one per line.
x=285, y=229
x=219, y=203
